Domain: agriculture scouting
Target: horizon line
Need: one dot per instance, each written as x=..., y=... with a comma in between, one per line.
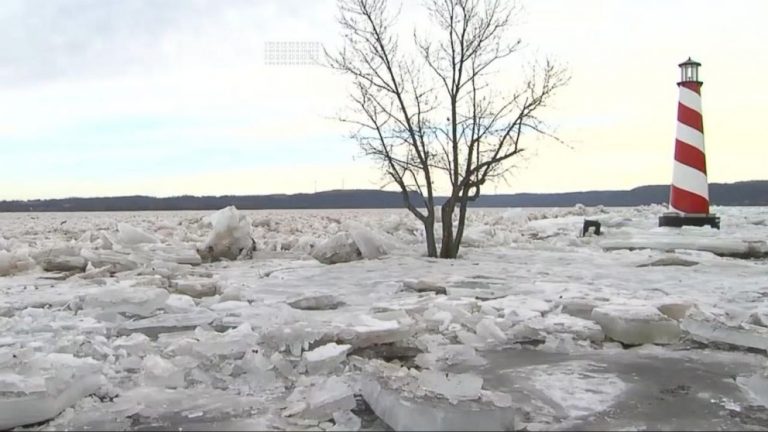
x=349, y=190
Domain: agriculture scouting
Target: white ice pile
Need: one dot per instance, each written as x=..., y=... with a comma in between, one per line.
x=35, y=387
x=636, y=325
x=13, y=262
x=325, y=358
x=356, y=244
x=280, y=341
x=430, y=400
x=230, y=237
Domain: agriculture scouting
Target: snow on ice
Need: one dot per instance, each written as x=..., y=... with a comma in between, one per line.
x=233, y=319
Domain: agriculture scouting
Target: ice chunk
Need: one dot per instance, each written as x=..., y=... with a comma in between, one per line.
x=11, y=263
x=64, y=264
x=694, y=241
x=195, y=287
x=676, y=311
x=141, y=301
x=756, y=386
x=372, y=331
x=317, y=302
x=555, y=323
x=707, y=330
x=580, y=308
x=422, y=285
x=117, y=262
x=341, y=248
x=346, y=421
x=402, y=411
x=370, y=246
x=230, y=238
x=671, y=260
x=135, y=344
x=44, y=386
x=179, y=303
x=758, y=317
x=331, y=396
x=157, y=371
x=153, y=253
x=636, y=325
x=440, y=357
x=325, y=358
x=168, y=323
x=490, y=332
x=128, y=235
x=454, y=387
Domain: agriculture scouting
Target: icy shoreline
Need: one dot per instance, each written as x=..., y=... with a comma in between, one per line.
x=276, y=320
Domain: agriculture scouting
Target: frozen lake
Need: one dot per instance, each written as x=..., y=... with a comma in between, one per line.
x=111, y=321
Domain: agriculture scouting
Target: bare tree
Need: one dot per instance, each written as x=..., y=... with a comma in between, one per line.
x=432, y=115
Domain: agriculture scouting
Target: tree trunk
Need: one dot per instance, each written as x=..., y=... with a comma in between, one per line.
x=447, y=247
x=462, y=220
x=429, y=231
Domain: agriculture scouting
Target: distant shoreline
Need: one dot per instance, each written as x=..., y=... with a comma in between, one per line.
x=747, y=193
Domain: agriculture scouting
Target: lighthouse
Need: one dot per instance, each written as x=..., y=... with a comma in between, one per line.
x=689, y=193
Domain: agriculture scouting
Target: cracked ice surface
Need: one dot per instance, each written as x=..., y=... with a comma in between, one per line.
x=253, y=340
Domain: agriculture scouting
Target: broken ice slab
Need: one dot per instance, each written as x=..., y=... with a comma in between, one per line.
x=554, y=324
x=11, y=263
x=64, y=264
x=117, y=262
x=230, y=237
x=692, y=239
x=332, y=395
x=130, y=235
x=179, y=303
x=756, y=386
x=422, y=285
x=404, y=411
x=708, y=330
x=341, y=248
x=182, y=405
x=317, y=302
x=137, y=344
x=195, y=287
x=369, y=244
x=44, y=386
x=367, y=331
x=454, y=387
x=157, y=371
x=325, y=358
x=167, y=323
x=671, y=260
x=636, y=325
x=207, y=343
x=179, y=254
x=142, y=301
x=346, y=421
x=440, y=357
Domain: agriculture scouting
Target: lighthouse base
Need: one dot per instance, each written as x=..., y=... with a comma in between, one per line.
x=677, y=220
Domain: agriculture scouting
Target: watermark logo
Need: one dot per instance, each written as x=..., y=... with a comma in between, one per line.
x=291, y=53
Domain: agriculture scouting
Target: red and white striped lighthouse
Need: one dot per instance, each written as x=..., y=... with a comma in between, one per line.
x=689, y=193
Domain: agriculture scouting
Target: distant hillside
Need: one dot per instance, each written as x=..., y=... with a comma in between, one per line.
x=749, y=193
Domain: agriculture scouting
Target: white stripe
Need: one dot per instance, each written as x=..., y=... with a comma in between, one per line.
x=690, y=136
x=690, y=98
x=690, y=179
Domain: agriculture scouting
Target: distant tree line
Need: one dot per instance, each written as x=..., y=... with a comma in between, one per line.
x=749, y=193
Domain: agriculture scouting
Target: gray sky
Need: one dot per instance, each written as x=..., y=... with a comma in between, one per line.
x=165, y=97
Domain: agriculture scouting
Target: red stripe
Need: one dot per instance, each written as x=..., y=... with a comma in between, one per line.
x=690, y=117
x=689, y=155
x=687, y=202
x=692, y=86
